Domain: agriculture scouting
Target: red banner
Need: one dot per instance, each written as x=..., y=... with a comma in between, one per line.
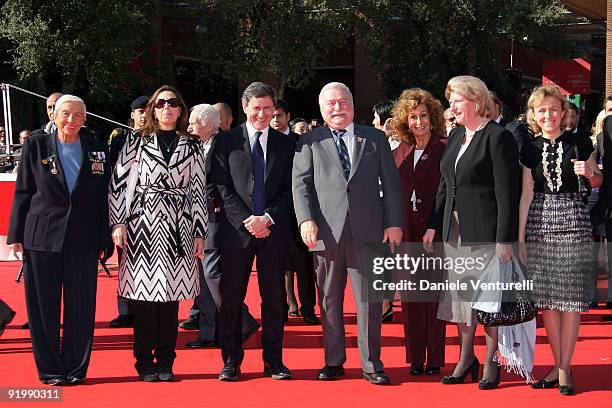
x=572, y=76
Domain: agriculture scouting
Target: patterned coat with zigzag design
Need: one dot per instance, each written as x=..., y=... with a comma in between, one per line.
x=167, y=212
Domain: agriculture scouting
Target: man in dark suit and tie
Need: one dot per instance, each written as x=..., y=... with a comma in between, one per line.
x=204, y=121
x=251, y=170
x=339, y=172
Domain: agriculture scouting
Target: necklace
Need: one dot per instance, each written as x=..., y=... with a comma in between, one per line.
x=469, y=134
x=167, y=146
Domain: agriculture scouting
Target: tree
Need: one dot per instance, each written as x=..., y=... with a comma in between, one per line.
x=425, y=42
x=246, y=39
x=79, y=46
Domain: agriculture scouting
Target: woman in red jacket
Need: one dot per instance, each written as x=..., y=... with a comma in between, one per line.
x=418, y=122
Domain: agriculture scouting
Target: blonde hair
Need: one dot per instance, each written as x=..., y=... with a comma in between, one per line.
x=536, y=99
x=407, y=103
x=598, y=125
x=473, y=89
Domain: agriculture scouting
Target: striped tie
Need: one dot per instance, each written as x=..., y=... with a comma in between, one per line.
x=345, y=160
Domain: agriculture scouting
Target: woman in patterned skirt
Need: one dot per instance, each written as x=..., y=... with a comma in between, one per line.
x=555, y=223
x=158, y=214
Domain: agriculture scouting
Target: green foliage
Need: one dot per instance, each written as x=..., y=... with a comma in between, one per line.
x=425, y=42
x=84, y=43
x=246, y=39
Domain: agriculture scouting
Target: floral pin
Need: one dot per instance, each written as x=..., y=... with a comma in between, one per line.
x=424, y=156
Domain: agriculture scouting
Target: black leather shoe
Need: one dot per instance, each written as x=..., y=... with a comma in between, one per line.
x=166, y=375
x=567, y=390
x=250, y=332
x=122, y=321
x=311, y=319
x=416, y=369
x=76, y=380
x=472, y=369
x=543, y=384
x=432, y=370
x=277, y=371
x=230, y=372
x=200, y=343
x=190, y=324
x=377, y=378
x=57, y=382
x=148, y=377
x=329, y=373
x=490, y=385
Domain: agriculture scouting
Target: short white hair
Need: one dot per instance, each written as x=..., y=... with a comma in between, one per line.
x=335, y=85
x=206, y=114
x=69, y=98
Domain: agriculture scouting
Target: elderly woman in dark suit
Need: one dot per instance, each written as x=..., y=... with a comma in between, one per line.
x=476, y=203
x=158, y=213
x=59, y=222
x=418, y=122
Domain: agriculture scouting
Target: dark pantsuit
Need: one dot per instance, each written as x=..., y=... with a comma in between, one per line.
x=235, y=271
x=331, y=267
x=46, y=275
x=208, y=303
x=424, y=334
x=301, y=263
x=155, y=332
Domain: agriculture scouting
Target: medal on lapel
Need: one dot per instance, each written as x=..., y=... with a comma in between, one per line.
x=51, y=160
x=97, y=160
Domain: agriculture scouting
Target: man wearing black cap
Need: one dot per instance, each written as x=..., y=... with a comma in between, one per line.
x=119, y=136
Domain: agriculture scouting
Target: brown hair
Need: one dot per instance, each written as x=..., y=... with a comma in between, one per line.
x=473, y=89
x=536, y=99
x=406, y=103
x=151, y=126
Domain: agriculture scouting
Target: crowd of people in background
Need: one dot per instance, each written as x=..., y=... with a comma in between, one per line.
x=190, y=202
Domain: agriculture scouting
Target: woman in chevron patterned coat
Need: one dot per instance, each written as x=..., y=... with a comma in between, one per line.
x=158, y=213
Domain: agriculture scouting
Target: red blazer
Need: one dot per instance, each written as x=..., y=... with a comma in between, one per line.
x=424, y=179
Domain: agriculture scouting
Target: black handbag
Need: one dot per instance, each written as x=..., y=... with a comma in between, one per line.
x=516, y=306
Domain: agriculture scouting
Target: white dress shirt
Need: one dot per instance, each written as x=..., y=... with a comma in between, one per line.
x=349, y=140
x=263, y=139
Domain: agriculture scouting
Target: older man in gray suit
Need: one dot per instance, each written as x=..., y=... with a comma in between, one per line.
x=339, y=172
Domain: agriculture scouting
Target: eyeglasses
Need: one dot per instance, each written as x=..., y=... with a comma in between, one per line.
x=172, y=102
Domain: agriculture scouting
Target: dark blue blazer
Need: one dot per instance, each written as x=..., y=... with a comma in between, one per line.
x=45, y=216
x=232, y=175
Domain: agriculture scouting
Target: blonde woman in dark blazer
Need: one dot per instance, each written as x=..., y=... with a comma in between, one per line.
x=477, y=202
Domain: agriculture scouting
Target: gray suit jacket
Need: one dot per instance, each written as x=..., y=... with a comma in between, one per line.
x=321, y=193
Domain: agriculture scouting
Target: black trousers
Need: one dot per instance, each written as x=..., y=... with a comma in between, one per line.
x=46, y=275
x=208, y=303
x=235, y=271
x=155, y=332
x=301, y=263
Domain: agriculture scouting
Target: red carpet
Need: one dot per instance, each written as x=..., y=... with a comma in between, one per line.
x=112, y=379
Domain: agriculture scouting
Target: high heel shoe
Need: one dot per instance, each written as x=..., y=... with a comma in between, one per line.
x=490, y=385
x=567, y=389
x=472, y=369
